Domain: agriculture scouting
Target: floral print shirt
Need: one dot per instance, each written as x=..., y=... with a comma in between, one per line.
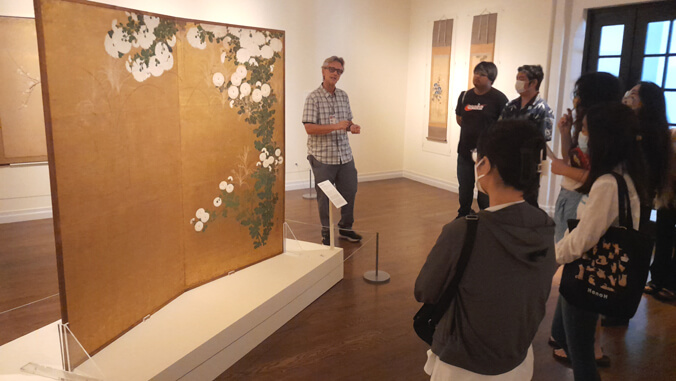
x=537, y=111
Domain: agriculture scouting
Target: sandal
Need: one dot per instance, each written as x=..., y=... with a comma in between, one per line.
x=561, y=356
x=651, y=288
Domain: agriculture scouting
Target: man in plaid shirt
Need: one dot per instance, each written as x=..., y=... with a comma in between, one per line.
x=327, y=118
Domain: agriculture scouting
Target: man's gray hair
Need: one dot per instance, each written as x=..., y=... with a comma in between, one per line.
x=334, y=59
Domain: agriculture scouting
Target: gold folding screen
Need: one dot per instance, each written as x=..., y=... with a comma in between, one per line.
x=439, y=82
x=166, y=149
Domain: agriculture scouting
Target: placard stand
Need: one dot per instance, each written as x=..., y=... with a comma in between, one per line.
x=332, y=231
x=337, y=200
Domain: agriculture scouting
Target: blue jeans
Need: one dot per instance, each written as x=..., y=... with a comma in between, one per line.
x=573, y=329
x=566, y=209
x=466, y=187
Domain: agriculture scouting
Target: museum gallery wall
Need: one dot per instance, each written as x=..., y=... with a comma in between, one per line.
x=166, y=148
x=22, y=127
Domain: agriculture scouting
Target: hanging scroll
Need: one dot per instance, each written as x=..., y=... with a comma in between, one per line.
x=483, y=42
x=22, y=126
x=440, y=79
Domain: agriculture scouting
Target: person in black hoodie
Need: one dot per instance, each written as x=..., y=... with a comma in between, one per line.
x=501, y=298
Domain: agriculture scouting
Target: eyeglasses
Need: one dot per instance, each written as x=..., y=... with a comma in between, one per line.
x=333, y=70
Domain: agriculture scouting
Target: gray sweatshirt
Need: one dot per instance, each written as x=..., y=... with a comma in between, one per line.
x=501, y=298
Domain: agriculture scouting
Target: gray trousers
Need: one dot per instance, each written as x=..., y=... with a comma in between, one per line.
x=344, y=177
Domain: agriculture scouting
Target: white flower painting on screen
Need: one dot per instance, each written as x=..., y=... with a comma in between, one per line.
x=147, y=43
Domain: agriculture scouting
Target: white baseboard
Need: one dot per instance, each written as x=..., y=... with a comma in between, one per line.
x=442, y=184
x=303, y=184
x=25, y=215
x=381, y=176
x=295, y=185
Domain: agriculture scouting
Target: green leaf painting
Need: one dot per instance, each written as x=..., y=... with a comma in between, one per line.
x=254, y=53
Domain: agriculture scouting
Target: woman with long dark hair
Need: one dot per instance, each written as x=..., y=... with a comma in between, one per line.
x=647, y=101
x=590, y=89
x=612, y=148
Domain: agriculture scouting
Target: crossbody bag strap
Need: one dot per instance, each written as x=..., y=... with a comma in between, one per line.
x=467, y=247
x=624, y=202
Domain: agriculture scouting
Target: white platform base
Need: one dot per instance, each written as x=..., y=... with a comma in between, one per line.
x=204, y=331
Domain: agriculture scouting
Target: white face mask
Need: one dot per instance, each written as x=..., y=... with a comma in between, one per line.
x=520, y=86
x=477, y=177
x=583, y=142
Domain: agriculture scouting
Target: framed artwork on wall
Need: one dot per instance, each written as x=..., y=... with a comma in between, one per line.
x=166, y=153
x=483, y=41
x=22, y=126
x=440, y=79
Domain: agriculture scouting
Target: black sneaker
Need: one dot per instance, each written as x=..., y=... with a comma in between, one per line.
x=326, y=239
x=349, y=235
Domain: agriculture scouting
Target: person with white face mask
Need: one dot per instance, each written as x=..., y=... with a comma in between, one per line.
x=477, y=109
x=487, y=334
x=532, y=107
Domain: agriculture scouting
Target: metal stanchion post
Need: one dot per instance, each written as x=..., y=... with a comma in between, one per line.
x=377, y=276
x=311, y=195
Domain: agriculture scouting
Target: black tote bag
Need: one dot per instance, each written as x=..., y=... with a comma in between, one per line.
x=609, y=278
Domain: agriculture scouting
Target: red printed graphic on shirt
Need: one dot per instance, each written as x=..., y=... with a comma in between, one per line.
x=477, y=107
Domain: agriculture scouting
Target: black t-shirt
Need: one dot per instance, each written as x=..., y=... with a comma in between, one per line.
x=478, y=112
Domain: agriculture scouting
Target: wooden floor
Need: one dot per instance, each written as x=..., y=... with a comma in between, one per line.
x=356, y=331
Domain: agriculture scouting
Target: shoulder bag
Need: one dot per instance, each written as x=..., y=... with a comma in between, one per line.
x=609, y=278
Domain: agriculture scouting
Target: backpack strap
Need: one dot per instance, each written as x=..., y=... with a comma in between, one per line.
x=467, y=247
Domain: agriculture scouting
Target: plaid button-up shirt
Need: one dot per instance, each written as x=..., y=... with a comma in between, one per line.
x=334, y=147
